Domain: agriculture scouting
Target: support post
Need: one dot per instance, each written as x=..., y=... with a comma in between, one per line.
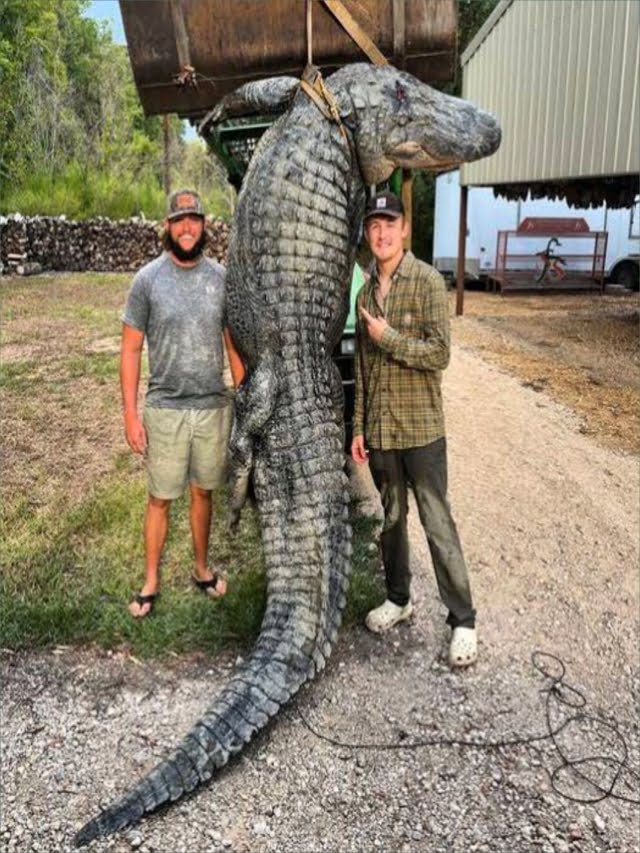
x=462, y=245
x=166, y=170
x=407, y=203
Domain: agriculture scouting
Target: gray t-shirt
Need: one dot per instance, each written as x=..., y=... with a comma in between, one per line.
x=181, y=310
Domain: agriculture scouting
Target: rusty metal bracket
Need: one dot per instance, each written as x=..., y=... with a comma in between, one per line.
x=187, y=76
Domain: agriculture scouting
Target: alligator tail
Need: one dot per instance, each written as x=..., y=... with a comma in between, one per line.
x=300, y=625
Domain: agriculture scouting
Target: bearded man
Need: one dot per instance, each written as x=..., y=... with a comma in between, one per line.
x=177, y=302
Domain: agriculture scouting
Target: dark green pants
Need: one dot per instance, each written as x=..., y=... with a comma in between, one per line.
x=424, y=469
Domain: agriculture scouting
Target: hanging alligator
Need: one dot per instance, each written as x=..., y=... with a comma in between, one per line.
x=290, y=261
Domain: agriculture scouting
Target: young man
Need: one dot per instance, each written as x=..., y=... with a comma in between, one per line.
x=178, y=303
x=403, y=345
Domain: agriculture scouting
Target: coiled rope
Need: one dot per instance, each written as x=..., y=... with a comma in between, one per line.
x=606, y=775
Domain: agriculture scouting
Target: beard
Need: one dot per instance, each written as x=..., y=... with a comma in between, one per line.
x=191, y=254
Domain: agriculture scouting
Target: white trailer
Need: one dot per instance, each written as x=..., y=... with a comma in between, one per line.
x=486, y=215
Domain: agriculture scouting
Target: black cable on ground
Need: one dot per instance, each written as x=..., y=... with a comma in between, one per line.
x=591, y=769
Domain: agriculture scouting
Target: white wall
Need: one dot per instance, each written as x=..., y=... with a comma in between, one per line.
x=486, y=215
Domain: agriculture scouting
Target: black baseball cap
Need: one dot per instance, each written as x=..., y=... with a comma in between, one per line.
x=384, y=204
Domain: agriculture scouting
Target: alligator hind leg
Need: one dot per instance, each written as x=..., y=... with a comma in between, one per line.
x=255, y=403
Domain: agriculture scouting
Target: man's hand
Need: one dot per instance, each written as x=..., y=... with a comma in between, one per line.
x=135, y=433
x=375, y=325
x=358, y=452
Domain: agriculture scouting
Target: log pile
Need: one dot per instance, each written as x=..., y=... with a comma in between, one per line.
x=33, y=244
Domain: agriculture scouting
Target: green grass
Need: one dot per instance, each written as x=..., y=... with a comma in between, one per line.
x=18, y=376
x=71, y=556
x=81, y=193
x=85, y=193
x=101, y=366
x=67, y=576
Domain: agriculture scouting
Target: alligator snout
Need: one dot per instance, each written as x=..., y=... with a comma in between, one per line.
x=489, y=133
x=459, y=132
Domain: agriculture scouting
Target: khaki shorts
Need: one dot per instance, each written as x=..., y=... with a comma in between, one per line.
x=186, y=446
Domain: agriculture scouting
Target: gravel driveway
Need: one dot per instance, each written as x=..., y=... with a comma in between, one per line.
x=549, y=525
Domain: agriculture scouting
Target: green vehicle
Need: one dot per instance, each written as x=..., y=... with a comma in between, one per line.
x=344, y=357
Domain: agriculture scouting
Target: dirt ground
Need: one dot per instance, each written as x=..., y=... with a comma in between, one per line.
x=545, y=495
x=61, y=422
x=581, y=350
x=60, y=419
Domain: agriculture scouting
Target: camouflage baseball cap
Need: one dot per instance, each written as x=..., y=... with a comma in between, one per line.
x=184, y=203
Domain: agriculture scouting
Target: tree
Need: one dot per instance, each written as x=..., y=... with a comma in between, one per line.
x=73, y=137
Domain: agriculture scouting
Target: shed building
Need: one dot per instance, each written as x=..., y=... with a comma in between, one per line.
x=562, y=78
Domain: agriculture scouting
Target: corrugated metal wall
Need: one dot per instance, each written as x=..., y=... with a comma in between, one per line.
x=562, y=77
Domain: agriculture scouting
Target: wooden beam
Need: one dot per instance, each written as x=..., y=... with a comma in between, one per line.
x=180, y=31
x=399, y=33
x=462, y=244
x=353, y=28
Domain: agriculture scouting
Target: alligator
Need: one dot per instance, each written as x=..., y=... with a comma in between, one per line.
x=291, y=255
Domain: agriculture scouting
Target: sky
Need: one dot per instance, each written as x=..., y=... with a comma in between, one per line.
x=109, y=10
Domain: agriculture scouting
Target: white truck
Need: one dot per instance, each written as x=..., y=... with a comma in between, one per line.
x=486, y=215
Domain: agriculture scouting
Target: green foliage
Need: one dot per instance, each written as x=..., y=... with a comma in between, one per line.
x=424, y=200
x=471, y=16
x=73, y=137
x=202, y=171
x=80, y=193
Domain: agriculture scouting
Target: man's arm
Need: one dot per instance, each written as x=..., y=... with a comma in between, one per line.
x=130, y=358
x=358, y=451
x=235, y=362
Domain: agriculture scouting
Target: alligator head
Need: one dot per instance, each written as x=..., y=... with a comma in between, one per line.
x=398, y=121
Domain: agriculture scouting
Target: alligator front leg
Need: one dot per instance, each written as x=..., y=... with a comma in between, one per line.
x=266, y=97
x=255, y=402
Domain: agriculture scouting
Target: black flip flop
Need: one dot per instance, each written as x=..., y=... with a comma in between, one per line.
x=205, y=586
x=141, y=599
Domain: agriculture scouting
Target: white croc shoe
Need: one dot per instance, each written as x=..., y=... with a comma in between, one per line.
x=387, y=615
x=463, y=650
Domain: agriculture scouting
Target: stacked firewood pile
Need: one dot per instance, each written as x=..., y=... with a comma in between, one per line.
x=33, y=244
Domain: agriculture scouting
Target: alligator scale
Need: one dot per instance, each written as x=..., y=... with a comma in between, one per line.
x=290, y=263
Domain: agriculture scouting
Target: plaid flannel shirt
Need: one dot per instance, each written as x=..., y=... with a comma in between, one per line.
x=398, y=381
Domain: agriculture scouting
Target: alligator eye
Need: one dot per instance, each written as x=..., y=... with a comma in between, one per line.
x=401, y=92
